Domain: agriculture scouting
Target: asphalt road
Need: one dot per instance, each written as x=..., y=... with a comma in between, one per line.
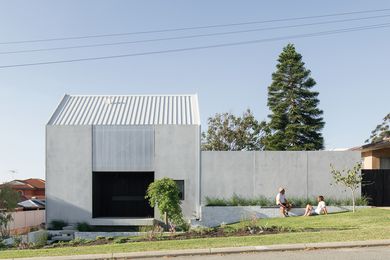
x=368, y=253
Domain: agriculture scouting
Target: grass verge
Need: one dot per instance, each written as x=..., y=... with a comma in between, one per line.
x=365, y=224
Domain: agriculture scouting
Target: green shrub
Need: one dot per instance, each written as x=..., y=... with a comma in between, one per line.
x=183, y=227
x=362, y=201
x=100, y=237
x=84, y=227
x=121, y=240
x=41, y=239
x=263, y=201
x=237, y=200
x=57, y=224
x=298, y=202
x=145, y=228
x=215, y=202
x=78, y=241
x=2, y=245
x=17, y=240
x=61, y=244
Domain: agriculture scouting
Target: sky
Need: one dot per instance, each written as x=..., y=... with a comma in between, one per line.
x=351, y=69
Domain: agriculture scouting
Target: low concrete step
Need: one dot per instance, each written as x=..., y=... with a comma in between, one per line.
x=67, y=232
x=62, y=238
x=69, y=227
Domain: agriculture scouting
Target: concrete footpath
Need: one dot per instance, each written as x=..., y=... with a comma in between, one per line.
x=224, y=250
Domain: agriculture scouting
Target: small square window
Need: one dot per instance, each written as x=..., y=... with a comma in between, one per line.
x=180, y=185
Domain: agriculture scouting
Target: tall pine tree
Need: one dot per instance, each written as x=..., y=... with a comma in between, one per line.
x=295, y=120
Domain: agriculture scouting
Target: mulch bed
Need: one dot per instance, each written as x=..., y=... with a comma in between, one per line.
x=193, y=234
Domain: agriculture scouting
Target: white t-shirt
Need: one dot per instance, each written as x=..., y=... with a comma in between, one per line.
x=280, y=198
x=320, y=207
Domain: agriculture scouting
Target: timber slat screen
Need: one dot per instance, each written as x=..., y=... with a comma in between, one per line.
x=376, y=187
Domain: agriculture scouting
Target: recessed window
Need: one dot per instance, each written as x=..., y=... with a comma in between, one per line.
x=180, y=185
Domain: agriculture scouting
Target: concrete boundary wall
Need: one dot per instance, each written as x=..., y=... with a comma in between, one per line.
x=250, y=174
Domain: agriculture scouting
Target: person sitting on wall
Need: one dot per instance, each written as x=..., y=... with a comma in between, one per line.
x=282, y=202
x=321, y=208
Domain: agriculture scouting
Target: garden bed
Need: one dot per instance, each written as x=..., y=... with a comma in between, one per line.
x=365, y=224
x=251, y=228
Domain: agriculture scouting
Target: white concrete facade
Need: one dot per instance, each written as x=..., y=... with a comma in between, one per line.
x=83, y=137
x=69, y=169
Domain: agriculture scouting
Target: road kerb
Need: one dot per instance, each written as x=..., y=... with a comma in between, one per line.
x=222, y=250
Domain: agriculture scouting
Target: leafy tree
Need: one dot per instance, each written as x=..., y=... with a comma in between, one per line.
x=227, y=132
x=381, y=132
x=295, y=119
x=164, y=194
x=350, y=179
x=8, y=202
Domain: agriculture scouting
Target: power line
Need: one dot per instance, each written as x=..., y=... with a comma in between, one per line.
x=346, y=30
x=195, y=27
x=193, y=36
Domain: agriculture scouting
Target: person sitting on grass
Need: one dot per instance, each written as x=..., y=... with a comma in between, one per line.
x=282, y=202
x=321, y=208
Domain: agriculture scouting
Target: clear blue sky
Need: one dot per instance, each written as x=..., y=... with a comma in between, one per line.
x=351, y=70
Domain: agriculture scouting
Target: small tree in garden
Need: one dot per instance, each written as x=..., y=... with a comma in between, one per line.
x=164, y=194
x=8, y=202
x=350, y=178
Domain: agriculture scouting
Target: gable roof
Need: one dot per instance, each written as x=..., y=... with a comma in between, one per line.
x=384, y=144
x=127, y=110
x=32, y=204
x=27, y=184
x=36, y=183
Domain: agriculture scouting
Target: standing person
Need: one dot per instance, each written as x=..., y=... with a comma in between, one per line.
x=282, y=202
x=321, y=207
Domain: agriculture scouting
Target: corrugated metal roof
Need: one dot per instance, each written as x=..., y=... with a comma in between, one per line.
x=127, y=110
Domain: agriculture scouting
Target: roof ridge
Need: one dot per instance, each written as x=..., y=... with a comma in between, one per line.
x=133, y=95
x=147, y=109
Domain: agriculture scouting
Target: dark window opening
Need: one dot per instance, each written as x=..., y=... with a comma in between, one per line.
x=121, y=194
x=180, y=185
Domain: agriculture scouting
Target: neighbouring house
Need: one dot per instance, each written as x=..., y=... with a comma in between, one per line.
x=102, y=152
x=376, y=172
x=32, y=204
x=375, y=155
x=29, y=188
x=30, y=211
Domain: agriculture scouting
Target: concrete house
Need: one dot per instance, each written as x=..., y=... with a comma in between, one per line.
x=103, y=151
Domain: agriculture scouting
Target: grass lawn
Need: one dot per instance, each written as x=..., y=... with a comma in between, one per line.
x=365, y=224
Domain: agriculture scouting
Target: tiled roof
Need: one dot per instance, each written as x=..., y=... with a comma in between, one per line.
x=36, y=183
x=127, y=110
x=27, y=184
